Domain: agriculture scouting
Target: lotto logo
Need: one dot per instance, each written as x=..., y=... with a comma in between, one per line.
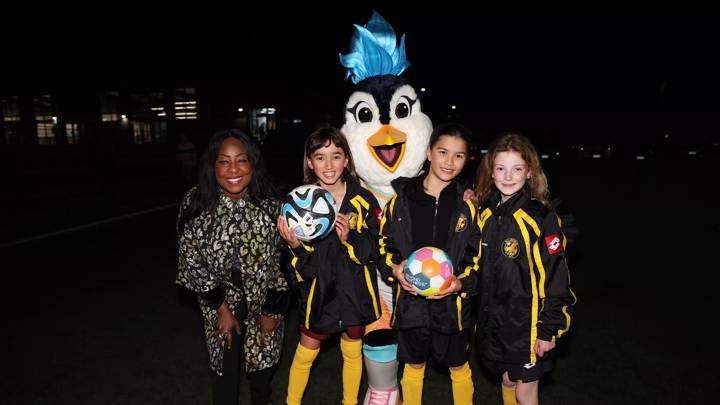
x=554, y=243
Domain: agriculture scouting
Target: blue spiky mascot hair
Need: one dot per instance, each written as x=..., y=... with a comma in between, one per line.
x=388, y=135
x=384, y=123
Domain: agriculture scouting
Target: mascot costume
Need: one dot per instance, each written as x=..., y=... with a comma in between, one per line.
x=388, y=135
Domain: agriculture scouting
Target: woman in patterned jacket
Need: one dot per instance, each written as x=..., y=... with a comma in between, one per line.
x=229, y=257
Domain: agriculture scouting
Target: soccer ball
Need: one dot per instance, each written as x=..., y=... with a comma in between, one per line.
x=429, y=270
x=310, y=212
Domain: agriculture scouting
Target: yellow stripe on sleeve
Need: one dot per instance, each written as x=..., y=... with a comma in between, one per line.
x=458, y=303
x=382, y=240
x=518, y=215
x=369, y=283
x=351, y=252
x=309, y=304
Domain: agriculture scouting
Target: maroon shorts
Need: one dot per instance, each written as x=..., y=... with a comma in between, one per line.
x=354, y=332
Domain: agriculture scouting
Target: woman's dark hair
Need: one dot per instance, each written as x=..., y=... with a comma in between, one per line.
x=319, y=139
x=207, y=192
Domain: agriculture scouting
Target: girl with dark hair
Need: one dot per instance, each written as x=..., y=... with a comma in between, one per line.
x=336, y=275
x=525, y=301
x=228, y=255
x=429, y=210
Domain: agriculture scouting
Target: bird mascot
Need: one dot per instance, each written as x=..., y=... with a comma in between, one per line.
x=388, y=135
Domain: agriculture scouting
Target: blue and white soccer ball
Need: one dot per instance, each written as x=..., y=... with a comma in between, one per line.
x=310, y=212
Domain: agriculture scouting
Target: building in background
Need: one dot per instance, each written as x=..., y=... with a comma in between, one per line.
x=131, y=127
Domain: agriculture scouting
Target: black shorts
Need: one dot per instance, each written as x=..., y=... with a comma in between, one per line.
x=527, y=372
x=418, y=345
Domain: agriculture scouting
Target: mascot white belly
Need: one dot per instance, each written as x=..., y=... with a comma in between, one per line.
x=388, y=135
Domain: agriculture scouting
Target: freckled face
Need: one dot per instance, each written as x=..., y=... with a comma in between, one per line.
x=510, y=172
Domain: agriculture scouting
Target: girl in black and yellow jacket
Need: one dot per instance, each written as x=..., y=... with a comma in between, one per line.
x=337, y=281
x=429, y=210
x=337, y=274
x=525, y=301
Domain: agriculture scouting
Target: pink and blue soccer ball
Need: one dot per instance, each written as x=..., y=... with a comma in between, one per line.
x=310, y=212
x=429, y=270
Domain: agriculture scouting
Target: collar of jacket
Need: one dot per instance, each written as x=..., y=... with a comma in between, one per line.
x=399, y=184
x=352, y=185
x=413, y=185
x=509, y=206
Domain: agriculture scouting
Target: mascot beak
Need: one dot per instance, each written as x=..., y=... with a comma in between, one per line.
x=387, y=146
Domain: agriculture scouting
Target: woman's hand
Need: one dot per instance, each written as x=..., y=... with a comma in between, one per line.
x=398, y=272
x=454, y=287
x=341, y=227
x=286, y=233
x=543, y=346
x=268, y=325
x=225, y=324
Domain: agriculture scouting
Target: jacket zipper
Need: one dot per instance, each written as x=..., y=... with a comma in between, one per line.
x=435, y=218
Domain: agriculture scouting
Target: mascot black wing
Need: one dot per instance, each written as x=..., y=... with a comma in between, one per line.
x=388, y=135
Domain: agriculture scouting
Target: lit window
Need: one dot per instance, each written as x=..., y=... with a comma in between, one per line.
x=185, y=104
x=45, y=122
x=10, y=125
x=72, y=133
x=109, y=106
x=10, y=109
x=148, y=116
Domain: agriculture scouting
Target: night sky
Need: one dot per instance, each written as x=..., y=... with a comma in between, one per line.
x=471, y=58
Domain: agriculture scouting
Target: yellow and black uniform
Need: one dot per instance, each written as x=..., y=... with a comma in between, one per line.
x=436, y=329
x=524, y=284
x=337, y=281
x=338, y=291
x=405, y=227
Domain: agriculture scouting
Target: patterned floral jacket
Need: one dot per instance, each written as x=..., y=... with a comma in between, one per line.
x=231, y=251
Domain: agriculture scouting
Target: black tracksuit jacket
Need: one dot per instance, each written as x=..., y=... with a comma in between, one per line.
x=524, y=279
x=455, y=225
x=338, y=281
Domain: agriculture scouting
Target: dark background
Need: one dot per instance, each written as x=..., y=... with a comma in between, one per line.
x=92, y=315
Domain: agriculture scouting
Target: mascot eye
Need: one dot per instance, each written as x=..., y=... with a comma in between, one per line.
x=361, y=111
x=402, y=110
x=364, y=115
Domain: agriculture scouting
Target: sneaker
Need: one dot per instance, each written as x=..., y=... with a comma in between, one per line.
x=377, y=397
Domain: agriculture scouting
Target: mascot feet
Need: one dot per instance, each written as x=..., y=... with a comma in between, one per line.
x=380, y=397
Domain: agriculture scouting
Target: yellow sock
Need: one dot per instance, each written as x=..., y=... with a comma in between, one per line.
x=299, y=373
x=462, y=385
x=352, y=370
x=412, y=385
x=508, y=395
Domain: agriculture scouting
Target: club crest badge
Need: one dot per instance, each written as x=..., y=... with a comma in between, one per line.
x=510, y=248
x=461, y=223
x=352, y=220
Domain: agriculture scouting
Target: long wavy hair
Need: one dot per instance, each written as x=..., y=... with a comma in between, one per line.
x=208, y=191
x=536, y=185
x=319, y=139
